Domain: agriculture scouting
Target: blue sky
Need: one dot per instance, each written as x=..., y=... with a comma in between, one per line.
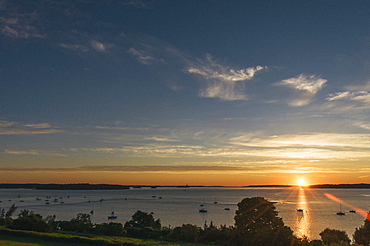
x=209, y=92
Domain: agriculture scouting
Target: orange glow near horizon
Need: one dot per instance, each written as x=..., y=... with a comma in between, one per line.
x=167, y=178
x=146, y=178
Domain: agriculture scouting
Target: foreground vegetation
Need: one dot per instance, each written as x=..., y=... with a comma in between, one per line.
x=256, y=223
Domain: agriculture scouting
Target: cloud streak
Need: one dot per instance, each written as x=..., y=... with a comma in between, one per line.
x=16, y=128
x=34, y=153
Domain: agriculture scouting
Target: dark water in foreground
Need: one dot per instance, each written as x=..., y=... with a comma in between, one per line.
x=177, y=206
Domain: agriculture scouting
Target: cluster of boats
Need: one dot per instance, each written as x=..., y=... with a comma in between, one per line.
x=204, y=209
x=338, y=213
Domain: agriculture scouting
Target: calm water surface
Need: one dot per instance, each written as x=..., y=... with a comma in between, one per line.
x=177, y=206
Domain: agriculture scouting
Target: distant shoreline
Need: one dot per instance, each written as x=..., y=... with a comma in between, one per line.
x=86, y=186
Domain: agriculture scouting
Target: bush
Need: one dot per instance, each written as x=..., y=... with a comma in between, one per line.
x=109, y=229
x=213, y=235
x=187, y=233
x=144, y=232
x=82, y=223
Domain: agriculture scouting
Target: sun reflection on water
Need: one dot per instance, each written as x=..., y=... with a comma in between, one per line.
x=302, y=218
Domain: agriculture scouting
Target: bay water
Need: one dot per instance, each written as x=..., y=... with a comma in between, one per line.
x=307, y=211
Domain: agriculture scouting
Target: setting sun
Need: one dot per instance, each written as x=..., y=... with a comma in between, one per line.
x=301, y=182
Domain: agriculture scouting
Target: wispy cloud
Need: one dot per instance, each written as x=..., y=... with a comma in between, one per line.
x=74, y=47
x=99, y=46
x=162, y=139
x=142, y=56
x=139, y=3
x=87, y=46
x=365, y=87
x=122, y=128
x=306, y=85
x=16, y=128
x=361, y=124
x=218, y=80
x=19, y=26
x=357, y=96
x=218, y=168
x=312, y=140
x=33, y=152
x=22, y=152
x=308, y=147
x=39, y=126
x=222, y=81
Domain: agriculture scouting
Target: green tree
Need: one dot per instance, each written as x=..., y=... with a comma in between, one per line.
x=362, y=234
x=143, y=219
x=11, y=211
x=333, y=236
x=257, y=223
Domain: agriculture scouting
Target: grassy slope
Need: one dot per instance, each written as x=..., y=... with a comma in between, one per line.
x=24, y=238
x=27, y=241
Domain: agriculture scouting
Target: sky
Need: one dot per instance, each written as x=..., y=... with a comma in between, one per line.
x=169, y=92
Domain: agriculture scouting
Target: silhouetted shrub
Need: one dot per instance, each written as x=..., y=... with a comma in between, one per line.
x=331, y=236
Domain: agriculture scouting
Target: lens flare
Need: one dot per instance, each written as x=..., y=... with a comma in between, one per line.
x=360, y=211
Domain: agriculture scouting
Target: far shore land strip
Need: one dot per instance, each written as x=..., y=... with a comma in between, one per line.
x=86, y=186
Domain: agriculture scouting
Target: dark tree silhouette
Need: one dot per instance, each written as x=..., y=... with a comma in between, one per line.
x=143, y=219
x=362, y=234
x=30, y=221
x=257, y=223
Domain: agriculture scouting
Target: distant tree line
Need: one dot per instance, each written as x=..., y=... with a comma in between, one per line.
x=256, y=224
x=79, y=186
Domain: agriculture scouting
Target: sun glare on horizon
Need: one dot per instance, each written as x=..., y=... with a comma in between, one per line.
x=301, y=182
